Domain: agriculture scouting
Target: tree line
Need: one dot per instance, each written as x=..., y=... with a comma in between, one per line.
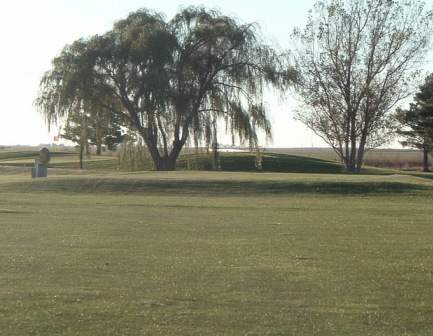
x=179, y=82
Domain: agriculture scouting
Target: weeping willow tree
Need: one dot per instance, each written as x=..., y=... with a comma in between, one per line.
x=171, y=81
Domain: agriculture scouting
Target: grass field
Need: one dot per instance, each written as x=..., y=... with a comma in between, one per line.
x=204, y=253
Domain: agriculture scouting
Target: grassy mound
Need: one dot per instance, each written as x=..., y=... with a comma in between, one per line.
x=230, y=162
x=223, y=184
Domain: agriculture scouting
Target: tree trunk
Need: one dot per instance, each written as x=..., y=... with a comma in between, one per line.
x=174, y=154
x=352, y=160
x=81, y=155
x=361, y=152
x=165, y=163
x=360, y=158
x=99, y=148
x=425, y=160
x=346, y=158
x=158, y=162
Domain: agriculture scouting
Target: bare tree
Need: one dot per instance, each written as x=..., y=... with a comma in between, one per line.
x=358, y=59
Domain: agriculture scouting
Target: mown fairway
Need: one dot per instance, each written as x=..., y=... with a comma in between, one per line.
x=201, y=253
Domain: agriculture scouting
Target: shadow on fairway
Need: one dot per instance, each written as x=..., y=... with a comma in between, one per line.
x=279, y=163
x=101, y=185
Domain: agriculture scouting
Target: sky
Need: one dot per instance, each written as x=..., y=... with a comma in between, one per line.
x=33, y=32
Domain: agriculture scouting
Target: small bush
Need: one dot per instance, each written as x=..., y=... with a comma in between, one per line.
x=133, y=157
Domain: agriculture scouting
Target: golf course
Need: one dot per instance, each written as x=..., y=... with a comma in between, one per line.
x=296, y=249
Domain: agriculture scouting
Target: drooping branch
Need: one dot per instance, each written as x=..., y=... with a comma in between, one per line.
x=167, y=80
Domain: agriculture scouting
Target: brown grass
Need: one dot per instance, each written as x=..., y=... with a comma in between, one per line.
x=396, y=159
x=400, y=159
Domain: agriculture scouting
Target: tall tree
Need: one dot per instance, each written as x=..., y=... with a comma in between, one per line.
x=170, y=81
x=417, y=122
x=79, y=131
x=100, y=130
x=359, y=59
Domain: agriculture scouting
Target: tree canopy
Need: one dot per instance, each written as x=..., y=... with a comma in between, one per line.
x=417, y=122
x=171, y=82
x=358, y=59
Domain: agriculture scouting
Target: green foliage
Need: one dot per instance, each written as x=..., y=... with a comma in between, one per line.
x=171, y=82
x=133, y=156
x=417, y=122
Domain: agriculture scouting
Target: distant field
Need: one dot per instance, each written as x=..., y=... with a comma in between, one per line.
x=399, y=159
x=313, y=160
x=205, y=253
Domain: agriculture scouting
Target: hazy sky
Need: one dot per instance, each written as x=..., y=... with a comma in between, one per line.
x=32, y=33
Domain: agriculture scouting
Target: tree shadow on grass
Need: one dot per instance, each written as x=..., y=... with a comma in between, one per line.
x=278, y=163
x=107, y=185
x=424, y=175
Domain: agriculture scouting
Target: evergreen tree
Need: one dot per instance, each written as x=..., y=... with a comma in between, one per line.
x=417, y=122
